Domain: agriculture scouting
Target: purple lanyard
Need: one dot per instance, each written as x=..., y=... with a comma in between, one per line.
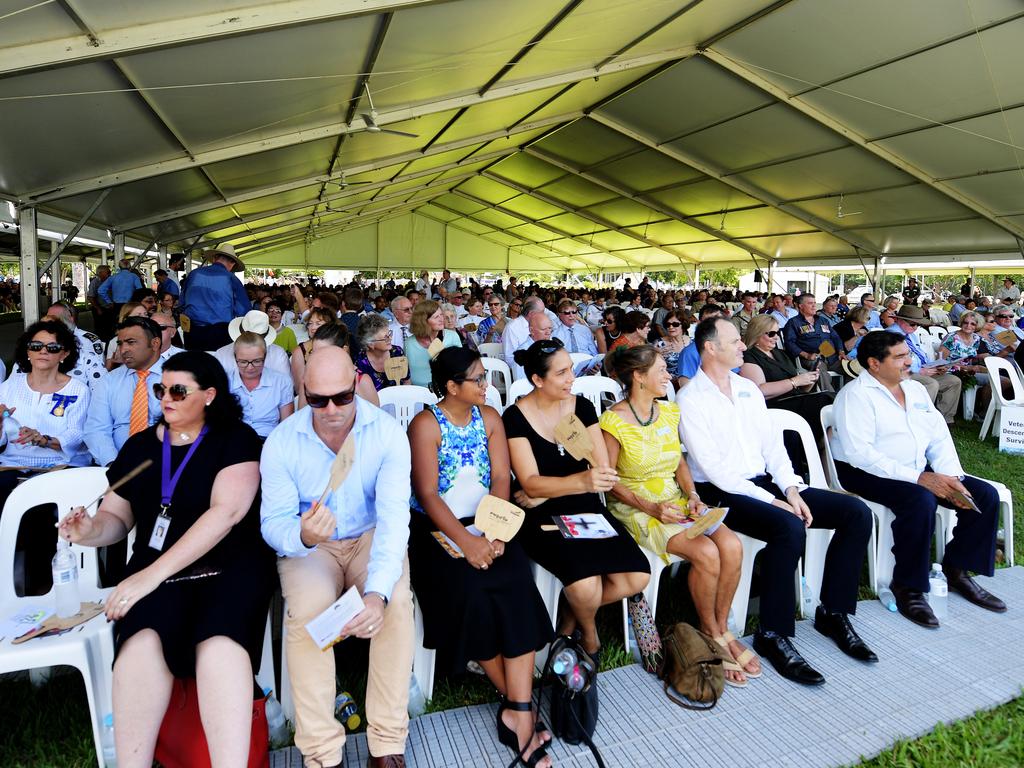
x=168, y=483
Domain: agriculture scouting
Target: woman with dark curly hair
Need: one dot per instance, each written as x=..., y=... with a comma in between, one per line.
x=195, y=601
x=48, y=405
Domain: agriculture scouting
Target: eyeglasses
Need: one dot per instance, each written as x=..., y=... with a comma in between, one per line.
x=386, y=337
x=480, y=381
x=258, y=363
x=167, y=327
x=53, y=347
x=178, y=392
x=517, y=304
x=673, y=325
x=771, y=334
x=338, y=398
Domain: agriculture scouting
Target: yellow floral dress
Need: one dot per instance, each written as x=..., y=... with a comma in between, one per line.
x=648, y=458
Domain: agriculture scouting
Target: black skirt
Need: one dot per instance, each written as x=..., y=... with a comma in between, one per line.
x=473, y=614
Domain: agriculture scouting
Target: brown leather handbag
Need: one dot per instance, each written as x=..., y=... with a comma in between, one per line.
x=692, y=668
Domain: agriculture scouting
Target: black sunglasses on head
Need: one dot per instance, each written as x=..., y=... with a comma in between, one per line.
x=338, y=398
x=53, y=347
x=548, y=346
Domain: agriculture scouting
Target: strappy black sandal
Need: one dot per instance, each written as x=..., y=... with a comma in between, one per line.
x=510, y=738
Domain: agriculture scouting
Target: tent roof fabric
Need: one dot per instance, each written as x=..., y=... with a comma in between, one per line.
x=593, y=134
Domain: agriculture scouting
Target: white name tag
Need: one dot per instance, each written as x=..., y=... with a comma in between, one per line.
x=159, y=535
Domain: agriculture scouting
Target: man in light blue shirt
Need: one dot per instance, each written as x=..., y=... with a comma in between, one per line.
x=167, y=283
x=689, y=358
x=943, y=387
x=108, y=424
x=874, y=319
x=212, y=297
x=576, y=336
x=119, y=287
x=781, y=312
x=357, y=538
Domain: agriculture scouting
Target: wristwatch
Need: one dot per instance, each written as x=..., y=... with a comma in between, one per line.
x=378, y=594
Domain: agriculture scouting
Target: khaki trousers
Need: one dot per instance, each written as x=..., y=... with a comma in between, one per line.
x=944, y=391
x=309, y=585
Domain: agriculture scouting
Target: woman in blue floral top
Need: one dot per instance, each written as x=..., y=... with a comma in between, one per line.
x=478, y=597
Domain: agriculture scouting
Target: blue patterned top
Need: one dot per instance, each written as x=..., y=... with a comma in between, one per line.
x=463, y=464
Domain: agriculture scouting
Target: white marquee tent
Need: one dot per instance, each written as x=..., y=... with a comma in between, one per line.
x=577, y=135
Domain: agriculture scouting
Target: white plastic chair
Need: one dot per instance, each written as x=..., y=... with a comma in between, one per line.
x=594, y=387
x=402, y=401
x=499, y=375
x=816, y=545
x=968, y=397
x=996, y=365
x=89, y=649
x=519, y=388
x=424, y=659
x=494, y=351
x=493, y=399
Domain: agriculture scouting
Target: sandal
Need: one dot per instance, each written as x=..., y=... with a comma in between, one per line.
x=745, y=658
x=510, y=738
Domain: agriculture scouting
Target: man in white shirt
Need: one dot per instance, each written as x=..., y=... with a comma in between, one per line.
x=738, y=461
x=91, y=367
x=590, y=313
x=576, y=337
x=458, y=300
x=168, y=330
x=943, y=387
x=1009, y=293
x=516, y=331
x=401, y=308
x=540, y=330
x=893, y=447
x=473, y=317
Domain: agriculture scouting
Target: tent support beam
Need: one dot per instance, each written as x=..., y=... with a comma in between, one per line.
x=76, y=229
x=737, y=183
x=29, y=242
x=820, y=117
x=401, y=159
x=641, y=198
x=311, y=133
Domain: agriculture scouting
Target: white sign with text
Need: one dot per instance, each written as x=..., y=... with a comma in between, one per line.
x=1011, y=429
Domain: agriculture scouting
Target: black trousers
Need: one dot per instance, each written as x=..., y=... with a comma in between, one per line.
x=785, y=535
x=208, y=338
x=973, y=547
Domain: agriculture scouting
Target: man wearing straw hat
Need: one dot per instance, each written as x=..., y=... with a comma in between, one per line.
x=212, y=297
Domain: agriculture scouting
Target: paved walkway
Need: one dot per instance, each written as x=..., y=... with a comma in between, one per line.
x=924, y=676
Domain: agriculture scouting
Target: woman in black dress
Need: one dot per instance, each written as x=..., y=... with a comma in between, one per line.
x=195, y=601
x=483, y=606
x=593, y=572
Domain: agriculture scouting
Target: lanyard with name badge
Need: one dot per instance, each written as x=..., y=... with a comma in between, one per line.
x=167, y=486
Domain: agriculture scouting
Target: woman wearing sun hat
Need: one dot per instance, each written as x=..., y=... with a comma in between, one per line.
x=256, y=322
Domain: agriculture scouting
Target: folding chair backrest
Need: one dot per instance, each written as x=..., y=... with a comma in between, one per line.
x=519, y=388
x=405, y=401
x=792, y=422
x=493, y=399
x=491, y=350
x=828, y=427
x=995, y=365
x=66, y=488
x=593, y=387
x=497, y=369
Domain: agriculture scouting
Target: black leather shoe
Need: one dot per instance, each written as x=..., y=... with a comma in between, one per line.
x=914, y=606
x=959, y=582
x=786, y=659
x=837, y=627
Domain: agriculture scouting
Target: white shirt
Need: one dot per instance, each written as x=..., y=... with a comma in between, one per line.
x=515, y=333
x=874, y=434
x=590, y=314
x=261, y=407
x=277, y=359
x=423, y=288
x=731, y=440
x=1012, y=293
x=399, y=334
x=61, y=415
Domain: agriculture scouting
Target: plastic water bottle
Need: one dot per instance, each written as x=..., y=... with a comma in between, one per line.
x=12, y=427
x=276, y=724
x=564, y=661
x=806, y=598
x=107, y=741
x=938, y=592
x=65, y=580
x=346, y=711
x=417, y=701
x=887, y=598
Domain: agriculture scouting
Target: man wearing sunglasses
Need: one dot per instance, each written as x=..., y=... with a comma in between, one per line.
x=123, y=402
x=576, y=336
x=358, y=538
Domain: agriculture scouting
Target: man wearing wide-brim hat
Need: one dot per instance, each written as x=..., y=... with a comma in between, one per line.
x=212, y=297
x=254, y=321
x=943, y=387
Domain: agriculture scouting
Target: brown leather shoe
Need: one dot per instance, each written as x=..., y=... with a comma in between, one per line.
x=914, y=605
x=388, y=761
x=958, y=581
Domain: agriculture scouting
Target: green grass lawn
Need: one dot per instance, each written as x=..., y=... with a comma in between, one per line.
x=47, y=727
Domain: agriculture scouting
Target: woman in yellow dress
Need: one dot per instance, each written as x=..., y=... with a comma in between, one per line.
x=656, y=501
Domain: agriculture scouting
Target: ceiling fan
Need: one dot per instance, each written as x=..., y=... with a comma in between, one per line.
x=343, y=182
x=370, y=118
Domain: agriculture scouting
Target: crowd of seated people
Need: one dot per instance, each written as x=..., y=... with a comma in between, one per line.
x=252, y=415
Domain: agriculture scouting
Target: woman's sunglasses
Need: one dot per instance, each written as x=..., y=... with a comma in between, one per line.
x=771, y=334
x=53, y=347
x=339, y=398
x=178, y=392
x=673, y=325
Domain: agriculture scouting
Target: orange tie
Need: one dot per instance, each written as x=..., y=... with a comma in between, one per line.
x=139, y=418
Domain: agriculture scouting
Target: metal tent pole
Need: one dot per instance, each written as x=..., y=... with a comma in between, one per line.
x=29, y=265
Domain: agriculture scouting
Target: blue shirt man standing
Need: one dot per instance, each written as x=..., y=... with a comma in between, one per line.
x=119, y=287
x=212, y=297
